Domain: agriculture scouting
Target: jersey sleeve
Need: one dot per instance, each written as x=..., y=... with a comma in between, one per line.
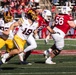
x=71, y=18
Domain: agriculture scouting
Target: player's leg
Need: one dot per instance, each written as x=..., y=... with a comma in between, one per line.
x=20, y=45
x=32, y=43
x=2, y=43
x=27, y=53
x=9, y=46
x=56, y=48
x=48, y=51
x=53, y=54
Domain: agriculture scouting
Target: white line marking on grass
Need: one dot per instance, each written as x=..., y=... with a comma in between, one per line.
x=36, y=73
x=65, y=44
x=48, y=67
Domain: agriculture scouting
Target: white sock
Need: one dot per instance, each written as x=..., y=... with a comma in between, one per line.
x=5, y=56
x=21, y=56
x=50, y=50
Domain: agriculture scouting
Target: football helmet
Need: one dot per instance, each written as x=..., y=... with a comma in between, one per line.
x=31, y=14
x=46, y=14
x=66, y=10
x=8, y=17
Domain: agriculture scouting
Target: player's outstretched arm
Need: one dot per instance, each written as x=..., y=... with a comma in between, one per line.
x=51, y=30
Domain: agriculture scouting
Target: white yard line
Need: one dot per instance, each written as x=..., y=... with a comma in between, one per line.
x=36, y=73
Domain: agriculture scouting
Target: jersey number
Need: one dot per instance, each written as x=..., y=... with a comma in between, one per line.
x=59, y=20
x=27, y=32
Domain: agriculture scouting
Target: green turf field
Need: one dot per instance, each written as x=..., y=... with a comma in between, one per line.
x=66, y=65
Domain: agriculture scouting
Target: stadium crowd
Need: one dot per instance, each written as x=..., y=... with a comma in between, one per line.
x=18, y=8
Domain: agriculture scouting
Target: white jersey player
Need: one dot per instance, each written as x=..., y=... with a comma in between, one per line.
x=6, y=39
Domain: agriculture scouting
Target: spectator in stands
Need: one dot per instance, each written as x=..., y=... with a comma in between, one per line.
x=61, y=2
x=22, y=3
x=12, y=4
x=53, y=10
x=5, y=2
x=74, y=12
x=5, y=8
x=68, y=3
x=1, y=20
x=19, y=11
x=36, y=2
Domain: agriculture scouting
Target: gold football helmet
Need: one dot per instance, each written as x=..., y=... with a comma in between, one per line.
x=32, y=14
x=8, y=17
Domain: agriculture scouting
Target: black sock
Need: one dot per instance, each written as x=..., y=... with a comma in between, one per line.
x=27, y=55
x=10, y=58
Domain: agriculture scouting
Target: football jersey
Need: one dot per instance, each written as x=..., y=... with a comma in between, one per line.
x=41, y=21
x=6, y=27
x=61, y=22
x=25, y=30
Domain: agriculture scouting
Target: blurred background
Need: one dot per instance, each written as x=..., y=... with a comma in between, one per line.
x=18, y=8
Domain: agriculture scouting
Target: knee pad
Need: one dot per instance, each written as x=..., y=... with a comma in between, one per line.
x=53, y=47
x=56, y=52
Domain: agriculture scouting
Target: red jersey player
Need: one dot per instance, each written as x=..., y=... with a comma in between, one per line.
x=63, y=22
x=44, y=22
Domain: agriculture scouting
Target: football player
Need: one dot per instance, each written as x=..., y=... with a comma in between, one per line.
x=63, y=22
x=6, y=40
x=43, y=21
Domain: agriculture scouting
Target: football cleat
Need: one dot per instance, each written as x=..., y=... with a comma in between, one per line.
x=4, y=57
x=1, y=62
x=25, y=63
x=45, y=54
x=49, y=62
